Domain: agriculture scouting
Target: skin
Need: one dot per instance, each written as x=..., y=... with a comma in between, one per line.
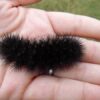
x=79, y=83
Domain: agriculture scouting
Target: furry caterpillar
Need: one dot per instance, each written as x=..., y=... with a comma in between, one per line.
x=53, y=53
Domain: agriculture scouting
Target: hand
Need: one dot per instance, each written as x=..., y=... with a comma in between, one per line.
x=80, y=83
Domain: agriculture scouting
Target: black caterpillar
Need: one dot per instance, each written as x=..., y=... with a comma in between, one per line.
x=53, y=53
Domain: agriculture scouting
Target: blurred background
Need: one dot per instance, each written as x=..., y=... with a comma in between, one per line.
x=84, y=7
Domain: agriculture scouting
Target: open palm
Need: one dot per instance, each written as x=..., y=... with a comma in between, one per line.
x=80, y=83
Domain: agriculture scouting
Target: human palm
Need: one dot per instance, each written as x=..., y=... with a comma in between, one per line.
x=79, y=83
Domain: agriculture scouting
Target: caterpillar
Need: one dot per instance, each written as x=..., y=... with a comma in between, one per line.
x=52, y=53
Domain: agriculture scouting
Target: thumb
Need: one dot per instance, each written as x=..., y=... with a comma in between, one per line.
x=24, y=2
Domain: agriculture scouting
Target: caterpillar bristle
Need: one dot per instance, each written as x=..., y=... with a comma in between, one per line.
x=51, y=53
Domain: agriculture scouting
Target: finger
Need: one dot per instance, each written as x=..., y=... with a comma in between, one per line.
x=3, y=69
x=24, y=2
x=65, y=23
x=14, y=84
x=49, y=88
x=83, y=72
x=91, y=51
x=89, y=70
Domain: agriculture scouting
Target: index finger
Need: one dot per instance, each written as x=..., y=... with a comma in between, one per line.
x=65, y=23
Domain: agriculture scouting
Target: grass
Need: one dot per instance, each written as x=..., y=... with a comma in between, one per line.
x=84, y=7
